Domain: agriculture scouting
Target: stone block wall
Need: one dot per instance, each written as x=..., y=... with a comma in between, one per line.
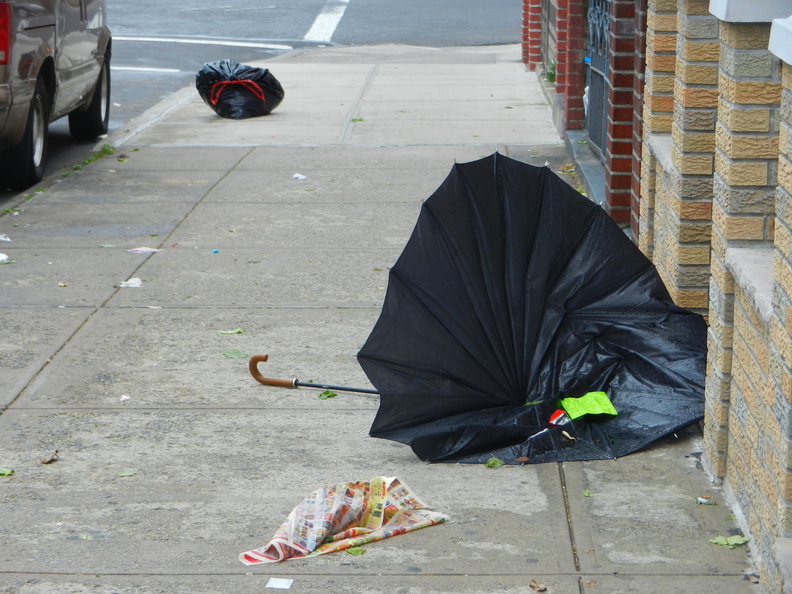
x=676, y=210
x=716, y=218
x=778, y=393
x=746, y=155
x=661, y=30
x=639, y=73
x=658, y=109
x=748, y=414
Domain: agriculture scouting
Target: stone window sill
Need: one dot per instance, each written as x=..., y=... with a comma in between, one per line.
x=781, y=39
x=750, y=11
x=752, y=269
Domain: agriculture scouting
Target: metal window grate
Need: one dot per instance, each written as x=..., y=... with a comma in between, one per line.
x=599, y=16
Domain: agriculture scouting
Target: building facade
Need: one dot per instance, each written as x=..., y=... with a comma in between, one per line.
x=693, y=127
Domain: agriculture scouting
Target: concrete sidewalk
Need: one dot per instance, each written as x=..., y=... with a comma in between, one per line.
x=133, y=381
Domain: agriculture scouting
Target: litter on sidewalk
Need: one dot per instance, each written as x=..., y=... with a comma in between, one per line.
x=513, y=293
x=143, y=250
x=238, y=91
x=343, y=516
x=591, y=403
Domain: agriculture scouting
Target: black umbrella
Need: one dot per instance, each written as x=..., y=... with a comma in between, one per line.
x=515, y=291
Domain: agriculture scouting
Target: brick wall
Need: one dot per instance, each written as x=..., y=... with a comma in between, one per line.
x=639, y=69
x=743, y=207
x=570, y=50
x=661, y=29
x=619, y=141
x=676, y=178
x=531, y=33
x=658, y=109
x=778, y=395
x=566, y=37
x=748, y=415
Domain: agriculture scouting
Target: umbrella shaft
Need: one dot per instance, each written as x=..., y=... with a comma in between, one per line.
x=328, y=387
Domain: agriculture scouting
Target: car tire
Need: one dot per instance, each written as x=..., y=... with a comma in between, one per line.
x=92, y=122
x=24, y=163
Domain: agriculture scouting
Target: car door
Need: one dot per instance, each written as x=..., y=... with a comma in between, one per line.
x=76, y=54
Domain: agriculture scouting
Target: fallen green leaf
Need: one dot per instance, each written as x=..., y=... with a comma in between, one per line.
x=587, y=493
x=236, y=354
x=494, y=463
x=106, y=245
x=234, y=331
x=125, y=474
x=730, y=542
x=327, y=394
x=6, y=471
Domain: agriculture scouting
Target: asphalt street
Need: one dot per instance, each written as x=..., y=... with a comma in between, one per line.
x=159, y=46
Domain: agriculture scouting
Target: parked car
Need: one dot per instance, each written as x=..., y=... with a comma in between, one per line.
x=54, y=62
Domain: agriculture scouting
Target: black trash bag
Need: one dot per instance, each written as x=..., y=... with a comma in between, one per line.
x=515, y=291
x=237, y=91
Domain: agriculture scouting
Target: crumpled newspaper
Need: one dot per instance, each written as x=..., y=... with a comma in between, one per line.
x=346, y=515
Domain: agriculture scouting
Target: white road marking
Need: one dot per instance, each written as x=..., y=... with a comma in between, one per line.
x=325, y=24
x=205, y=41
x=143, y=69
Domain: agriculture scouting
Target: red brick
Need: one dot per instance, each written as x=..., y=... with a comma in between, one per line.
x=620, y=97
x=620, y=131
x=623, y=62
x=621, y=165
x=623, y=9
x=617, y=181
x=620, y=199
x=622, y=80
x=623, y=44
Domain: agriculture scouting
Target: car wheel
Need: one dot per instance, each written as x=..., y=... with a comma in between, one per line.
x=24, y=163
x=91, y=123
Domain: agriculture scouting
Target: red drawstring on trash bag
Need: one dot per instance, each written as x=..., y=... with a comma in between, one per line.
x=218, y=87
x=259, y=93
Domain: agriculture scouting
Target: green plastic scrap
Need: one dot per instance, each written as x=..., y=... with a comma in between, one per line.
x=593, y=403
x=356, y=550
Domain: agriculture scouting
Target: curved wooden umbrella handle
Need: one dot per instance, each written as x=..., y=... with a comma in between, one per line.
x=280, y=383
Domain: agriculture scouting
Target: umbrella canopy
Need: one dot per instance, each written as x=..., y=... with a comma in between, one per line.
x=514, y=291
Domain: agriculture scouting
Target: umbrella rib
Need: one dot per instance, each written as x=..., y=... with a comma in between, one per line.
x=409, y=286
x=410, y=367
x=505, y=336
x=495, y=342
